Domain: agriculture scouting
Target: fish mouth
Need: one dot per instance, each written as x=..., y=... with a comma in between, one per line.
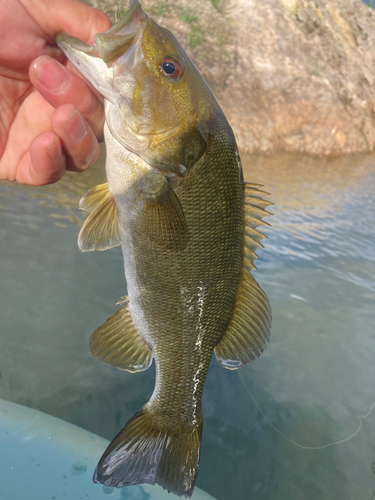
x=88, y=62
x=95, y=61
x=110, y=44
x=66, y=42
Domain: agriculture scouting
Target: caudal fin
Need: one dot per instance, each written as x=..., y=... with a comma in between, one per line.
x=144, y=453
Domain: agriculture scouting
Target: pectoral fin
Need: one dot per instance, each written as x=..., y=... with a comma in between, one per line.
x=249, y=329
x=101, y=229
x=165, y=220
x=118, y=343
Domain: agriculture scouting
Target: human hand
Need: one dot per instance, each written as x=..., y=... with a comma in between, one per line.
x=50, y=119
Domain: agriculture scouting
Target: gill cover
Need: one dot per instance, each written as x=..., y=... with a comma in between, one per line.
x=161, y=118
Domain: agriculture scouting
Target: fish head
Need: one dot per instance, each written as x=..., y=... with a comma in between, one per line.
x=158, y=105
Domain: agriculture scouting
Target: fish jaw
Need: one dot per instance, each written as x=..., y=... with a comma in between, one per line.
x=85, y=58
x=94, y=61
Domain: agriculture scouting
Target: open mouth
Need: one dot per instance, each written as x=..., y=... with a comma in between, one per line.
x=112, y=43
x=94, y=61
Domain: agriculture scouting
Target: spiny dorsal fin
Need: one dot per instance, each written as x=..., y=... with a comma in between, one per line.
x=254, y=208
x=101, y=229
x=249, y=330
x=118, y=343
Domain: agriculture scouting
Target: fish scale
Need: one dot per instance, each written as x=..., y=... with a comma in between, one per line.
x=176, y=202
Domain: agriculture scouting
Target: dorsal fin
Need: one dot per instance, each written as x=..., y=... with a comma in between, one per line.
x=118, y=342
x=101, y=229
x=254, y=208
x=249, y=329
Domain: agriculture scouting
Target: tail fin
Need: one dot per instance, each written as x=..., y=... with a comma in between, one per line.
x=144, y=453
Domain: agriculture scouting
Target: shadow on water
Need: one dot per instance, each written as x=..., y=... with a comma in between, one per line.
x=318, y=269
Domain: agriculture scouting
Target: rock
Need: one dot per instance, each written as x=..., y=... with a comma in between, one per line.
x=292, y=74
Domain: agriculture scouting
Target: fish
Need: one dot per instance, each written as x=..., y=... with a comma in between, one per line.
x=176, y=201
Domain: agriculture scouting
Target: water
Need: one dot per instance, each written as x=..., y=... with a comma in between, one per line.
x=269, y=429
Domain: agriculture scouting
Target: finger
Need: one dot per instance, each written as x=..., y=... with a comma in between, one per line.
x=60, y=86
x=75, y=18
x=79, y=143
x=47, y=159
x=44, y=163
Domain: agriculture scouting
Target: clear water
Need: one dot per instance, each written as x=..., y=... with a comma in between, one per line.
x=269, y=429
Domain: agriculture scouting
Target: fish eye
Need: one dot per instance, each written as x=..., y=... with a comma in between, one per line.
x=170, y=68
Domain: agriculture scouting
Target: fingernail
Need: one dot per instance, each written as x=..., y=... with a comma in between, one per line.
x=54, y=150
x=51, y=74
x=75, y=126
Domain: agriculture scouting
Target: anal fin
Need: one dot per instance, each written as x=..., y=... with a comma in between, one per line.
x=118, y=343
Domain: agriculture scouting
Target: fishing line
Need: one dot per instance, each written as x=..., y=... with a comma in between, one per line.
x=359, y=417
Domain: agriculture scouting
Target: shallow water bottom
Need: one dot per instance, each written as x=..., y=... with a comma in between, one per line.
x=296, y=424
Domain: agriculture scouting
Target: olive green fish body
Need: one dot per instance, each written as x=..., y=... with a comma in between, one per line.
x=182, y=301
x=176, y=202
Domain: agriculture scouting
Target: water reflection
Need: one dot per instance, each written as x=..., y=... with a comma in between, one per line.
x=324, y=206
x=318, y=270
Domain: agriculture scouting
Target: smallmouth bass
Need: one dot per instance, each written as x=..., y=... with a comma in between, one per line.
x=177, y=203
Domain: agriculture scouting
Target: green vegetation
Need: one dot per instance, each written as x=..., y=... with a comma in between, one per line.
x=161, y=9
x=218, y=5
x=188, y=15
x=158, y=10
x=371, y=4
x=221, y=40
x=191, y=16
x=294, y=10
x=195, y=37
x=120, y=11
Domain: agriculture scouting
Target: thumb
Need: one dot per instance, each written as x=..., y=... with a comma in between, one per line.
x=71, y=16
